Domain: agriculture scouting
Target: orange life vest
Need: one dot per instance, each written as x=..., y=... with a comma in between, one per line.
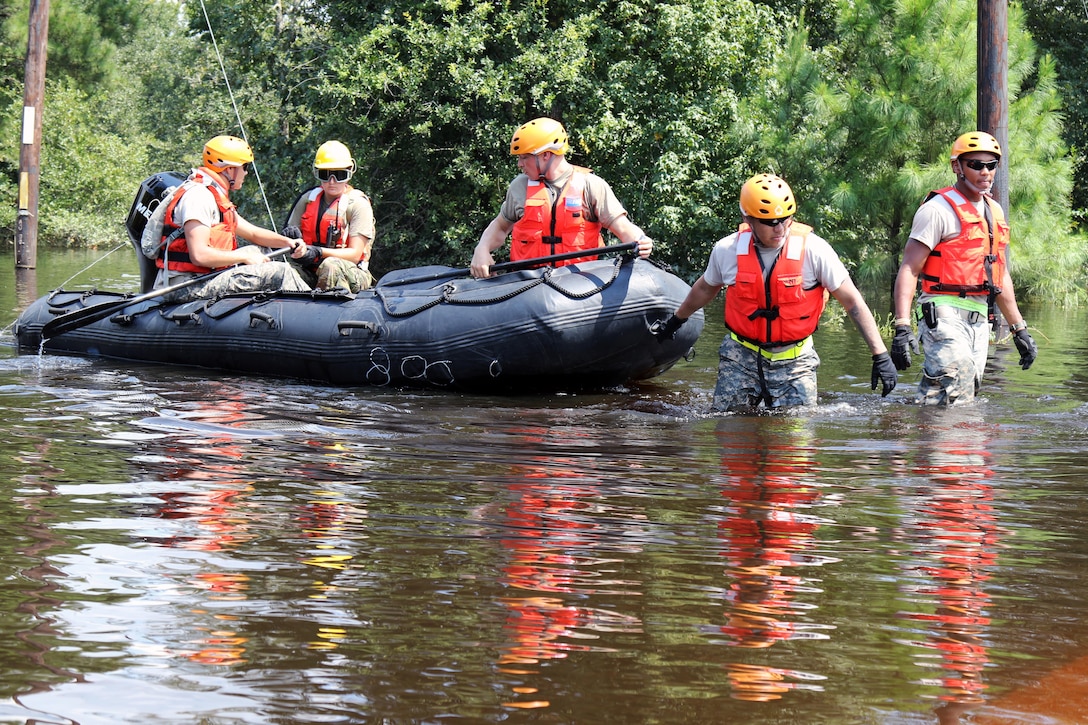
x=548, y=228
x=328, y=229
x=221, y=235
x=972, y=263
x=777, y=310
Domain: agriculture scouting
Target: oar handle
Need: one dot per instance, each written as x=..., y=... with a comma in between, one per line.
x=518, y=265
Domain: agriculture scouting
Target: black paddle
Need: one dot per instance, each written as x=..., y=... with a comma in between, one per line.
x=514, y=266
x=86, y=315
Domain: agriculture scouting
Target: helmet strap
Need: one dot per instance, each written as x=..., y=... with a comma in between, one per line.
x=235, y=179
x=546, y=169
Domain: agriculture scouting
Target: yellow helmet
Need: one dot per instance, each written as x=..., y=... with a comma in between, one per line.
x=540, y=135
x=224, y=151
x=765, y=196
x=975, y=141
x=333, y=155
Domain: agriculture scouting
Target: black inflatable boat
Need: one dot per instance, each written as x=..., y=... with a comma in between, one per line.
x=587, y=325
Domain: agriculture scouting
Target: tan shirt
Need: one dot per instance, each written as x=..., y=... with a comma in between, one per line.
x=600, y=201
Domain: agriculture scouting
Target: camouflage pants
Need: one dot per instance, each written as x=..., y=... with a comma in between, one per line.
x=955, y=358
x=747, y=378
x=335, y=273
x=264, y=277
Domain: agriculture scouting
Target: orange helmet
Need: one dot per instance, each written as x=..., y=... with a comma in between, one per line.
x=975, y=141
x=539, y=135
x=224, y=151
x=766, y=196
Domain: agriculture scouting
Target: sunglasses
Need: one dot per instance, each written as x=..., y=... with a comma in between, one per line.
x=333, y=174
x=247, y=167
x=980, y=165
x=774, y=222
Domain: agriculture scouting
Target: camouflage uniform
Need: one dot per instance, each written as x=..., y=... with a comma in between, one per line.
x=264, y=277
x=955, y=357
x=746, y=378
x=199, y=205
x=336, y=273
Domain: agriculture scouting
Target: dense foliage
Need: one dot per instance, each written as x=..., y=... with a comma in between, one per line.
x=674, y=103
x=1061, y=29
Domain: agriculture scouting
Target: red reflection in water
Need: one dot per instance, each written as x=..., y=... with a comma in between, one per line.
x=554, y=542
x=217, y=521
x=767, y=532
x=953, y=535
x=216, y=506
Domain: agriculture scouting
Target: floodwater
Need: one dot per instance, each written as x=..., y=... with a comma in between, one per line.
x=188, y=547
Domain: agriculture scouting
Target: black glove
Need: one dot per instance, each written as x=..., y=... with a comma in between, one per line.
x=668, y=330
x=884, y=373
x=311, y=258
x=292, y=232
x=1027, y=347
x=902, y=344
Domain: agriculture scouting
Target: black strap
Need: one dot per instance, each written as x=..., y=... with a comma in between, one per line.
x=988, y=262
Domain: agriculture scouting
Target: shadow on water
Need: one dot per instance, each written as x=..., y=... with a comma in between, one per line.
x=193, y=547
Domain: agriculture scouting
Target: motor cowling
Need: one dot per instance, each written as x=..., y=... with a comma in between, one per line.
x=150, y=194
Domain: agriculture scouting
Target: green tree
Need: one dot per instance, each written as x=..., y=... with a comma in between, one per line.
x=674, y=103
x=862, y=131
x=82, y=197
x=1061, y=29
x=428, y=94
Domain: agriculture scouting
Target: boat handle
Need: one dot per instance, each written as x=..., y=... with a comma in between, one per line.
x=258, y=317
x=344, y=327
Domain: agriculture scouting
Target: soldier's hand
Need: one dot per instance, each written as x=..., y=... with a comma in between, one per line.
x=903, y=344
x=311, y=257
x=884, y=373
x=1027, y=347
x=668, y=330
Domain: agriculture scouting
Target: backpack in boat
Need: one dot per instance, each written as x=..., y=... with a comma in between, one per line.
x=146, y=217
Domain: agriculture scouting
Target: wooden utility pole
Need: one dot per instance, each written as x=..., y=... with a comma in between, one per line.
x=993, y=85
x=26, y=222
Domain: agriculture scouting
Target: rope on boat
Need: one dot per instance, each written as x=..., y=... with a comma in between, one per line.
x=449, y=289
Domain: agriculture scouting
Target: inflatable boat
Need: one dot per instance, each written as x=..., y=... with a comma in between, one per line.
x=586, y=325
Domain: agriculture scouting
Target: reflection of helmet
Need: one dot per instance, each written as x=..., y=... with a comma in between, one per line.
x=765, y=196
x=975, y=141
x=538, y=136
x=224, y=151
x=333, y=155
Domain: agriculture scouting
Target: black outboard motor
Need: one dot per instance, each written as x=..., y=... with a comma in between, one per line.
x=150, y=194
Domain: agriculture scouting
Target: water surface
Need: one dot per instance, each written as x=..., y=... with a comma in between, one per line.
x=181, y=546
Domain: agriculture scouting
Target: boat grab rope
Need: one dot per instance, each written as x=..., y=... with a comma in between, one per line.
x=450, y=289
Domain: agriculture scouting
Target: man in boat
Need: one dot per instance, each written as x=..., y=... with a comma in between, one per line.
x=777, y=275
x=201, y=229
x=336, y=221
x=553, y=207
x=957, y=256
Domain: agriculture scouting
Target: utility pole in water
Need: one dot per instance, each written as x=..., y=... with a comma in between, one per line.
x=26, y=222
x=993, y=84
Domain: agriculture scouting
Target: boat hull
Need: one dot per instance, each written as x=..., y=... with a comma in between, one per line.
x=581, y=326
